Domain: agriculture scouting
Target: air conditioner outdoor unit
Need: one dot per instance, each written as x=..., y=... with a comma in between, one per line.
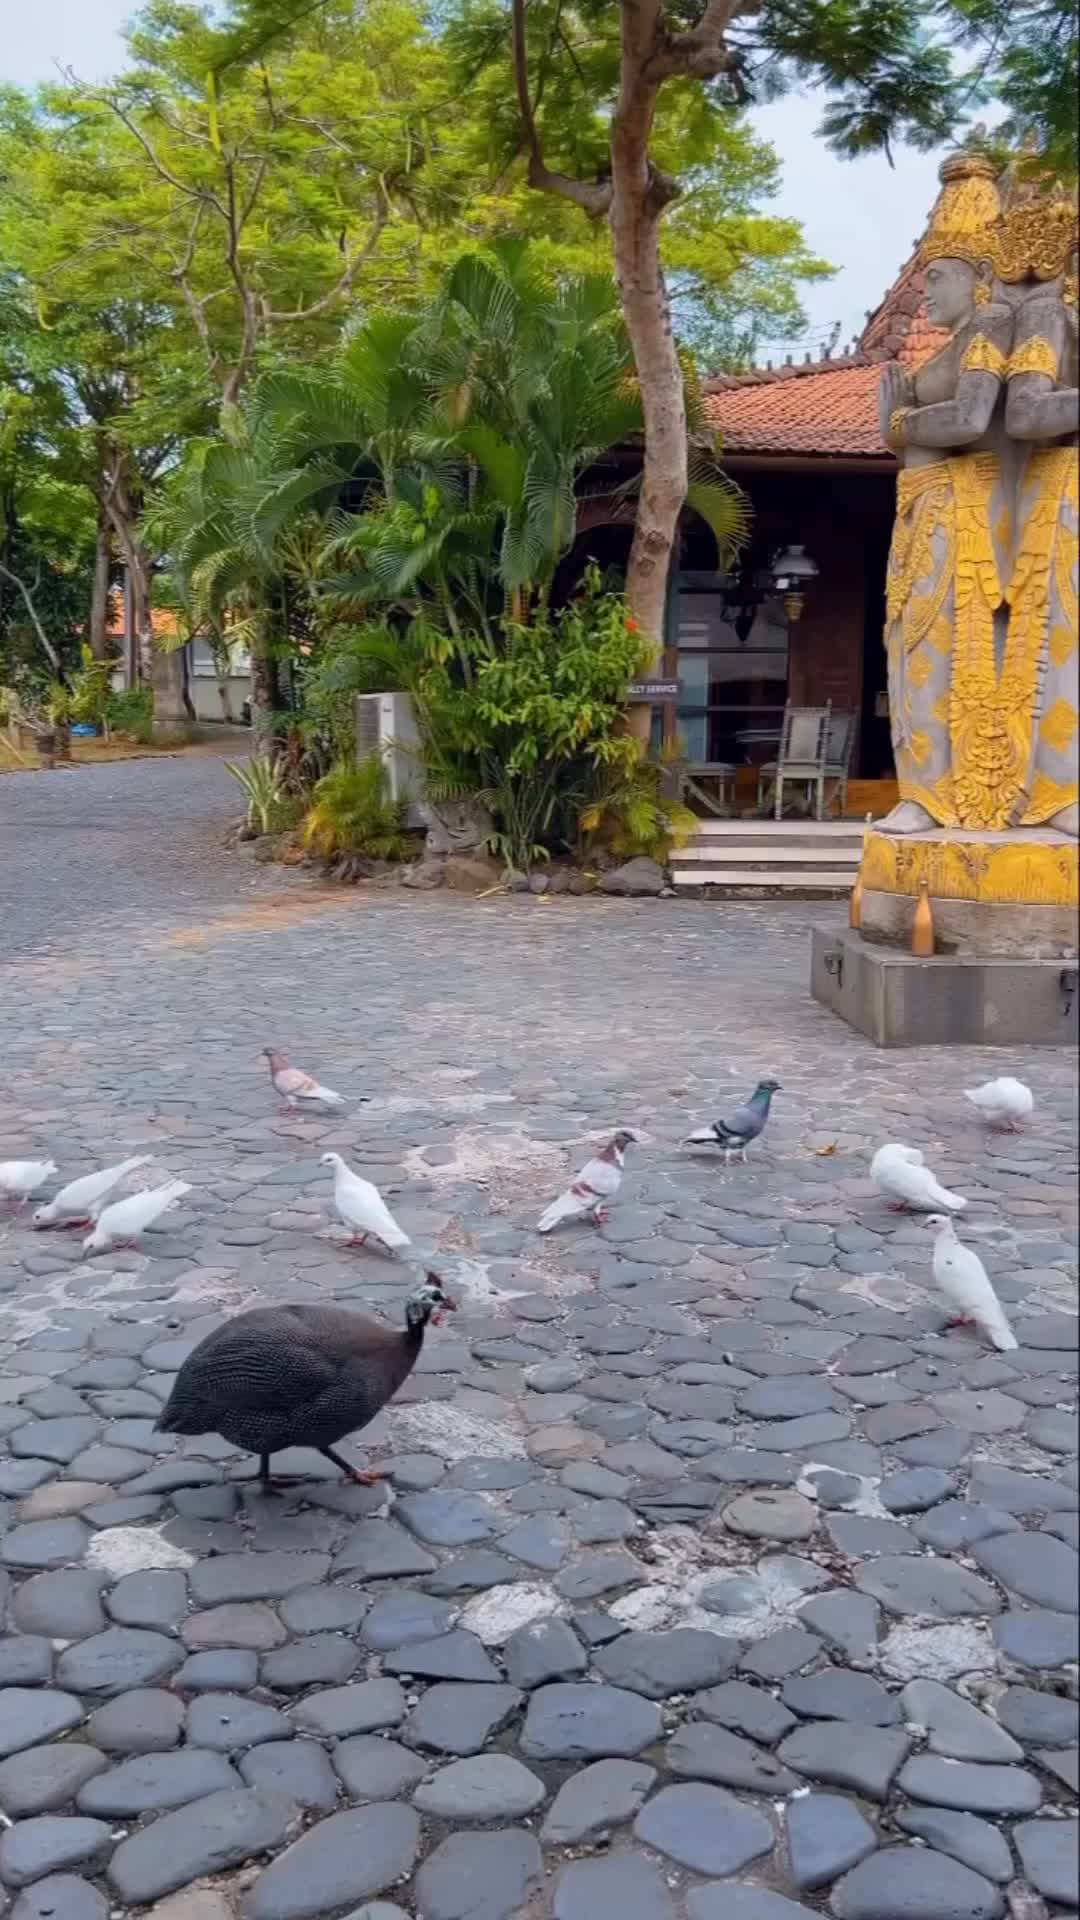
x=386, y=724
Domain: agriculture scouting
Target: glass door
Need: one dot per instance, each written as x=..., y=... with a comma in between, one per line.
x=733, y=664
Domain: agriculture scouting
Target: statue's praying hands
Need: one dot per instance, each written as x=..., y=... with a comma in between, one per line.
x=894, y=390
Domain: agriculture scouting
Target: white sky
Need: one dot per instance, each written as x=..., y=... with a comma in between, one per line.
x=861, y=215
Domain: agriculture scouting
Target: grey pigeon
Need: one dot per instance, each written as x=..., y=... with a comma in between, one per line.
x=735, y=1130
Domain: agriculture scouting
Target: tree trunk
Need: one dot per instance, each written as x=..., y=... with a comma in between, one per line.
x=162, y=672
x=639, y=196
x=172, y=725
x=98, y=634
x=263, y=688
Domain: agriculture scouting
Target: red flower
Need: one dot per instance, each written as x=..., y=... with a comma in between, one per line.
x=631, y=624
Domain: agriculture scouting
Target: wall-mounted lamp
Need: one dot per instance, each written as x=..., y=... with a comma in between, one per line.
x=792, y=571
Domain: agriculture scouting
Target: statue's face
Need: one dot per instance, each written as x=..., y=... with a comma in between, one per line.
x=950, y=292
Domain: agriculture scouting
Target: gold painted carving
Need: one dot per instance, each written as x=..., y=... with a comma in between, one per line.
x=969, y=204
x=1048, y=546
x=1034, y=238
x=982, y=356
x=896, y=422
x=1018, y=872
x=1033, y=356
x=989, y=748
x=1059, y=726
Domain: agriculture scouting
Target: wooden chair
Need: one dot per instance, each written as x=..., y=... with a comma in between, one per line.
x=839, y=751
x=800, y=760
x=712, y=784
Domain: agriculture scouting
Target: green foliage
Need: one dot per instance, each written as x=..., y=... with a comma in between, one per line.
x=1028, y=52
x=352, y=813
x=892, y=71
x=350, y=661
x=629, y=813
x=537, y=722
x=263, y=786
x=132, y=712
x=89, y=690
x=469, y=425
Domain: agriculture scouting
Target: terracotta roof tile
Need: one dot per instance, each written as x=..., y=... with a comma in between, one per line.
x=162, y=620
x=898, y=329
x=828, y=407
x=818, y=409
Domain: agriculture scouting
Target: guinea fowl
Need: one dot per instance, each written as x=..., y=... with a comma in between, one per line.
x=299, y=1377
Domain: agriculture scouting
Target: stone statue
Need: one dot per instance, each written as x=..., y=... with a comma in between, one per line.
x=1042, y=411
x=981, y=607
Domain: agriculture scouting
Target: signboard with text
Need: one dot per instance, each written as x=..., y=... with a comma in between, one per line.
x=654, y=692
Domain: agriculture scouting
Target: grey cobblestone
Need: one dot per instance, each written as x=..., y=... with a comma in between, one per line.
x=591, y=1474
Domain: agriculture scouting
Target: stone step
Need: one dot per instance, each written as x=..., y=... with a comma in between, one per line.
x=797, y=880
x=778, y=856
x=816, y=830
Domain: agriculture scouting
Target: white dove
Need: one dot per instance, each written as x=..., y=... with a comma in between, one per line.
x=81, y=1200
x=296, y=1087
x=20, y=1178
x=1004, y=1103
x=964, y=1280
x=122, y=1223
x=596, y=1184
x=362, y=1207
x=900, y=1173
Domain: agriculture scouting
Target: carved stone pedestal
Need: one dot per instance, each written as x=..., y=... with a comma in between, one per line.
x=1005, y=919
x=991, y=893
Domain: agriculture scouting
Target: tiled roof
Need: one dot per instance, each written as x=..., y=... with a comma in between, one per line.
x=162, y=619
x=822, y=408
x=898, y=329
x=827, y=406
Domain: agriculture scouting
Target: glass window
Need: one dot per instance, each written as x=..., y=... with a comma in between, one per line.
x=733, y=664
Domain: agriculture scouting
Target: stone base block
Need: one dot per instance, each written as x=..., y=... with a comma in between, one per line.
x=1010, y=894
x=951, y=1000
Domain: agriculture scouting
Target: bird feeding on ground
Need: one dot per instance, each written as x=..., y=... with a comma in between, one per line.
x=735, y=1130
x=20, y=1178
x=596, y=1184
x=297, y=1088
x=120, y=1224
x=901, y=1174
x=964, y=1281
x=75, y=1204
x=361, y=1206
x=1004, y=1103
x=302, y=1376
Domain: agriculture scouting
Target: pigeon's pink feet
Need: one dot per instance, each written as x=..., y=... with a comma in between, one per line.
x=601, y=1216
x=77, y=1225
x=961, y=1320
x=369, y=1479
x=358, y=1240
x=898, y=1206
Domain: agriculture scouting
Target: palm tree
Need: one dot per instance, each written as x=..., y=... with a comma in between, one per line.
x=463, y=434
x=444, y=454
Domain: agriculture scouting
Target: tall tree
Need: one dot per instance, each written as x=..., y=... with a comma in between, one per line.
x=640, y=53
x=102, y=331
x=593, y=87
x=283, y=179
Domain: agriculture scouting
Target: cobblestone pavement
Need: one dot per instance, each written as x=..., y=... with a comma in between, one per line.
x=715, y=1578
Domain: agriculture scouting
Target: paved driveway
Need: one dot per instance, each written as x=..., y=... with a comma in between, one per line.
x=714, y=1559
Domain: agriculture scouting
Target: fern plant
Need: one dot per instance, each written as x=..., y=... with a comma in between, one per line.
x=352, y=812
x=628, y=813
